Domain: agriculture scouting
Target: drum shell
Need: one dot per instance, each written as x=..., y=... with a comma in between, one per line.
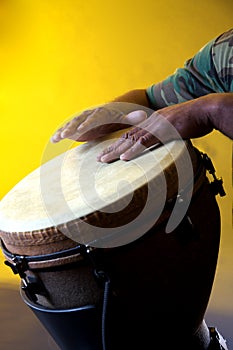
x=160, y=281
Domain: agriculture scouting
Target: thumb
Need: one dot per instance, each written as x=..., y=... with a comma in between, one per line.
x=135, y=117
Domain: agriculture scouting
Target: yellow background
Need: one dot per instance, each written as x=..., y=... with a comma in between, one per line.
x=59, y=57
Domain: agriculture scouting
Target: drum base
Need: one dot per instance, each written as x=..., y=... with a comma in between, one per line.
x=80, y=328
x=77, y=328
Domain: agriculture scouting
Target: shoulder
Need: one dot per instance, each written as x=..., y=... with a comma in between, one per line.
x=213, y=64
x=225, y=39
x=222, y=55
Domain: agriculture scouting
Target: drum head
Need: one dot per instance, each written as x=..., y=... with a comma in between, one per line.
x=97, y=204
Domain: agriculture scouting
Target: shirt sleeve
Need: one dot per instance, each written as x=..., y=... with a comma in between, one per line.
x=223, y=59
x=207, y=72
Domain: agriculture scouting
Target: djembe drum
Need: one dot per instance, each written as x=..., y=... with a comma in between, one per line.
x=102, y=264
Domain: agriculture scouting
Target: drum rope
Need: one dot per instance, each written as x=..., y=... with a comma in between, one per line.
x=104, y=312
x=104, y=279
x=103, y=276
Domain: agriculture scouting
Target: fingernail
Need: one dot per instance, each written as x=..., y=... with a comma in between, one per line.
x=81, y=126
x=54, y=138
x=64, y=134
x=103, y=159
x=123, y=157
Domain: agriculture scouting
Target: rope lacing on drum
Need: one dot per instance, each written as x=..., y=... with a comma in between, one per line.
x=104, y=279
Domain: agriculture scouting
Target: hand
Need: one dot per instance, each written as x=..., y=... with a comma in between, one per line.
x=186, y=120
x=98, y=122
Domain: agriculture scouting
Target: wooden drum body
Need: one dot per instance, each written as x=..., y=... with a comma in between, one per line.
x=160, y=282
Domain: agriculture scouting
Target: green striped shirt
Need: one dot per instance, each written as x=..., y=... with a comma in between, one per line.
x=209, y=71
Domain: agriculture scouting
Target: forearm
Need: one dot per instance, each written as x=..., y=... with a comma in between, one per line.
x=219, y=110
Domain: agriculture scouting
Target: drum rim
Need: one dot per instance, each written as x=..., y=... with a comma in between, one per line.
x=17, y=241
x=14, y=224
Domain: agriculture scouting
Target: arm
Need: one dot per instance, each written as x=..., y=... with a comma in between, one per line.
x=186, y=120
x=220, y=113
x=208, y=72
